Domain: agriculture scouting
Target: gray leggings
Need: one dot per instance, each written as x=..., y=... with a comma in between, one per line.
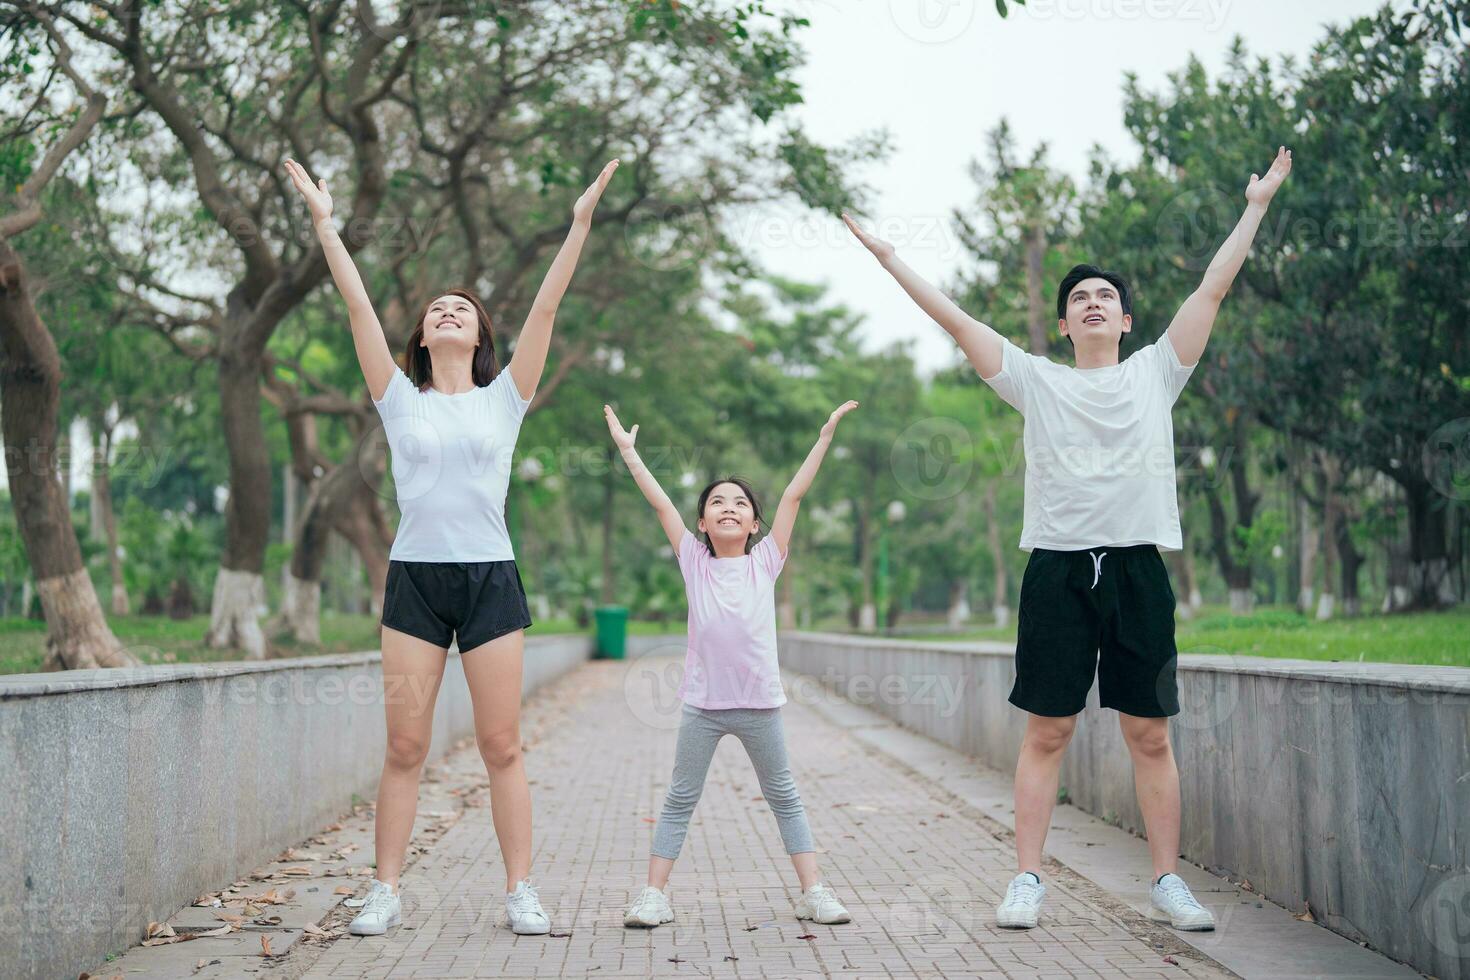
x=764, y=738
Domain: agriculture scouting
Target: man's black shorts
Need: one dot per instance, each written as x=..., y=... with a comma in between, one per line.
x=1108, y=611
x=438, y=601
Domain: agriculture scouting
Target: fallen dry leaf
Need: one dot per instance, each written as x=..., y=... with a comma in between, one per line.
x=298, y=869
x=265, y=946
x=234, y=920
x=223, y=930
x=1171, y=961
x=1307, y=915
x=343, y=890
x=312, y=929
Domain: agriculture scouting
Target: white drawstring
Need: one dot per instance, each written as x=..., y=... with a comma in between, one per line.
x=1096, y=567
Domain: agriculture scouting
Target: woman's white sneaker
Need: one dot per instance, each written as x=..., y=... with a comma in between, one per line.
x=380, y=911
x=821, y=906
x=523, y=909
x=1022, y=904
x=650, y=909
x=1171, y=901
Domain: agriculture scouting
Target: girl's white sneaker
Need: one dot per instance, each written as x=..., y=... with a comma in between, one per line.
x=650, y=909
x=820, y=905
x=380, y=911
x=523, y=909
x=1171, y=901
x=1022, y=904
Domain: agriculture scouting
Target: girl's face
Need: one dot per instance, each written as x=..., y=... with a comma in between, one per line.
x=451, y=323
x=728, y=516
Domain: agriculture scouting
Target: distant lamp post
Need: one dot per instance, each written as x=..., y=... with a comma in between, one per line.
x=893, y=514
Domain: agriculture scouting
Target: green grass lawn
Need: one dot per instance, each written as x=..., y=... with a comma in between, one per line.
x=1440, y=638
x=1416, y=638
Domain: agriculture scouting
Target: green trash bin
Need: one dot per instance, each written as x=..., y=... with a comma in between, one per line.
x=612, y=631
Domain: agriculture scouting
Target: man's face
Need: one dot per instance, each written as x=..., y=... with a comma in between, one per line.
x=1095, y=316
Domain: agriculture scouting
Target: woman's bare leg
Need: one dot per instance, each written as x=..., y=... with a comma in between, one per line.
x=412, y=670
x=493, y=671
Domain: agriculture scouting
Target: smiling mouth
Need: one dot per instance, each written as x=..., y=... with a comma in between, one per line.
x=1094, y=318
x=728, y=522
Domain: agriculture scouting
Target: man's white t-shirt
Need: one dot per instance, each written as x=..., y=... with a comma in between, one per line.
x=1099, y=448
x=451, y=457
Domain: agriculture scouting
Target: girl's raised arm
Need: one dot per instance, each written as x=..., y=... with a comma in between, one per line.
x=529, y=358
x=668, y=514
x=373, y=355
x=802, y=481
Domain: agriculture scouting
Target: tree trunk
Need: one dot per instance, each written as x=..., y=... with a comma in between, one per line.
x=1306, y=557
x=959, y=603
x=77, y=634
x=1236, y=571
x=239, y=588
x=1430, y=585
x=785, y=598
x=1038, y=321
x=1352, y=563
x=1000, y=605
x=867, y=608
x=102, y=497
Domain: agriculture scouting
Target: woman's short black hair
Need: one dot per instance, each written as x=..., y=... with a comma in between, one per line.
x=1081, y=272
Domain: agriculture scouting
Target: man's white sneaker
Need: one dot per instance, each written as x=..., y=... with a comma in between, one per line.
x=650, y=909
x=1022, y=904
x=380, y=911
x=821, y=906
x=1170, y=900
x=523, y=909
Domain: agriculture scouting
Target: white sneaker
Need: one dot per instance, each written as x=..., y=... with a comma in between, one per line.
x=820, y=905
x=1022, y=904
x=649, y=910
x=1170, y=900
x=523, y=909
x=380, y=911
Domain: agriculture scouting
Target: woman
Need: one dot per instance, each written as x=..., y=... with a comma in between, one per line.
x=451, y=420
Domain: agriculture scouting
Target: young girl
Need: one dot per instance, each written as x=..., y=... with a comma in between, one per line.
x=451, y=422
x=732, y=682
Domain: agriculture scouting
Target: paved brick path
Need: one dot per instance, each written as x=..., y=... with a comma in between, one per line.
x=920, y=875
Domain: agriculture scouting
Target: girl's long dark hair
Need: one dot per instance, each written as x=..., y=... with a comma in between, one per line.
x=416, y=362
x=755, y=507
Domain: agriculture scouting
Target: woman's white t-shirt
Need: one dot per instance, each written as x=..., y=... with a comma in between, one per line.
x=1099, y=448
x=451, y=458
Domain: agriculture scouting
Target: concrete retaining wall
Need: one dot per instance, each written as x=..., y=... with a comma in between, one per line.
x=1346, y=786
x=126, y=793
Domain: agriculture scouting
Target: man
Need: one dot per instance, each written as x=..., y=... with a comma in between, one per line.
x=1100, y=502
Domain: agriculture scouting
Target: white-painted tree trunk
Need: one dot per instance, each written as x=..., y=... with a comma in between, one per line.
x=1325, y=605
x=1242, y=602
x=77, y=637
x=301, y=607
x=235, y=613
x=1002, y=614
x=868, y=617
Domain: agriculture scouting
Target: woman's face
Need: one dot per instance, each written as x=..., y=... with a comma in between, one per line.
x=728, y=515
x=451, y=323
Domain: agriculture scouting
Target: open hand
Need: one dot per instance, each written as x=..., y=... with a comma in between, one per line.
x=623, y=438
x=1262, y=189
x=316, y=196
x=837, y=413
x=582, y=210
x=883, y=250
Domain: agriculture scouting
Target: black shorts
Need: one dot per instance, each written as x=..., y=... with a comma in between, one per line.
x=1108, y=611
x=473, y=602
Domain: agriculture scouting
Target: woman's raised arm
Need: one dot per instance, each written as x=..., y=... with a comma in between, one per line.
x=373, y=355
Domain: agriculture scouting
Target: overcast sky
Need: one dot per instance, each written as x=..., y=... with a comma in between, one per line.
x=938, y=74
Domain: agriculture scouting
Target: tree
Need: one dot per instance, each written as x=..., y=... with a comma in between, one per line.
x=30, y=373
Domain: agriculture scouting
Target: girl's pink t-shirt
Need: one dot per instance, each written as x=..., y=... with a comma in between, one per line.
x=731, y=661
